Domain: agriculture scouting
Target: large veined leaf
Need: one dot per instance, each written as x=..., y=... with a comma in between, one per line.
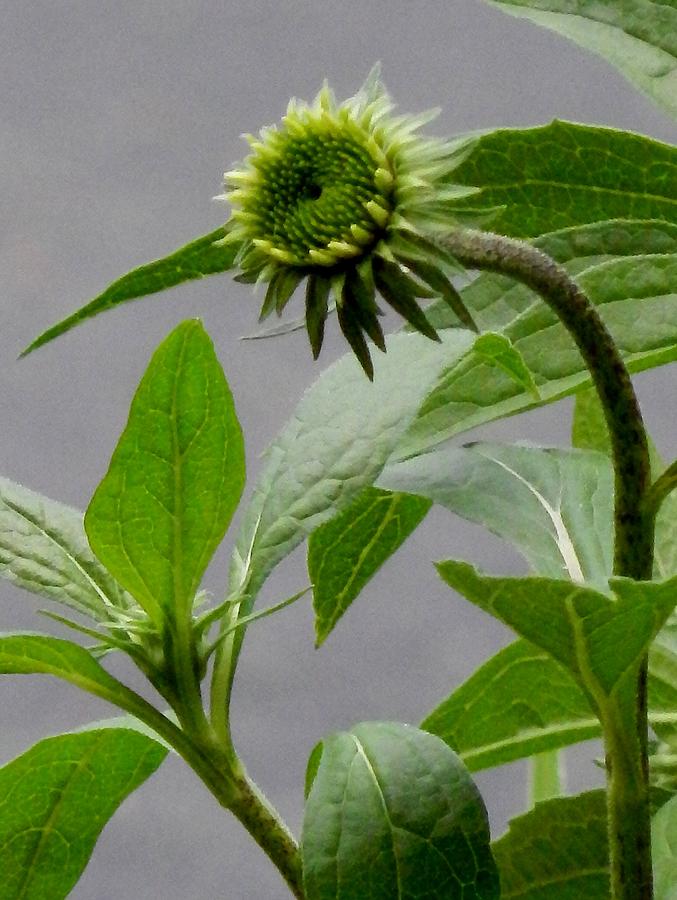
x=472, y=393
x=664, y=851
x=392, y=812
x=344, y=553
x=639, y=37
x=520, y=702
x=336, y=443
x=495, y=300
x=175, y=478
x=198, y=259
x=595, y=637
x=55, y=800
x=553, y=505
x=557, y=851
x=44, y=549
x=563, y=174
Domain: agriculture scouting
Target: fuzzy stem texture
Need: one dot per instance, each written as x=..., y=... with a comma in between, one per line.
x=626, y=754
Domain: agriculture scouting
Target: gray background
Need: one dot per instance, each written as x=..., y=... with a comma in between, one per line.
x=117, y=122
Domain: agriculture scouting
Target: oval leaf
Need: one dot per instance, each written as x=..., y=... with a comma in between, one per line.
x=55, y=800
x=175, y=478
x=392, y=812
x=664, y=851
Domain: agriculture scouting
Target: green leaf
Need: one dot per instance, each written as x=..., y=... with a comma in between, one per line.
x=497, y=350
x=335, y=445
x=470, y=393
x=28, y=654
x=344, y=553
x=595, y=637
x=562, y=174
x=519, y=703
x=537, y=499
x=55, y=800
x=638, y=37
x=496, y=300
x=175, y=478
x=392, y=812
x=557, y=851
x=664, y=851
x=663, y=688
x=44, y=549
x=198, y=259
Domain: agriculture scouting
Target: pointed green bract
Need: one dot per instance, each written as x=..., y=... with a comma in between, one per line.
x=537, y=499
x=347, y=551
x=198, y=259
x=638, y=37
x=557, y=851
x=175, y=478
x=56, y=798
x=392, y=812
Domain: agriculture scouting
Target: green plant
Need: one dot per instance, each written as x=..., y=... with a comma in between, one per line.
x=357, y=206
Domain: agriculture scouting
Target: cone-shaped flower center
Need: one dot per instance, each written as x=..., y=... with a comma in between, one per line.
x=313, y=190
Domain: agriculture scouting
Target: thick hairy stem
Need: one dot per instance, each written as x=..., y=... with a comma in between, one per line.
x=629, y=822
x=269, y=831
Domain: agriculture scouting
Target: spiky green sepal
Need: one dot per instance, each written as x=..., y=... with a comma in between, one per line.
x=347, y=197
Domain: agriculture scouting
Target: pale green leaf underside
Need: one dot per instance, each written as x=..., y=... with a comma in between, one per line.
x=638, y=37
x=336, y=443
x=344, y=553
x=197, y=259
x=393, y=813
x=44, y=549
x=553, y=505
x=56, y=798
x=175, y=478
x=664, y=851
x=557, y=851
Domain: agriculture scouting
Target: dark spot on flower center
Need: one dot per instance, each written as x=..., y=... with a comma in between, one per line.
x=314, y=191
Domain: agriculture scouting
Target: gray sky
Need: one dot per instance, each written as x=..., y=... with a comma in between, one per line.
x=118, y=120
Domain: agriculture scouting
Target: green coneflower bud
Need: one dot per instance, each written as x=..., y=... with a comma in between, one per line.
x=347, y=197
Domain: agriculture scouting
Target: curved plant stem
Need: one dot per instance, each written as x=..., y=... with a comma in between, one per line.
x=626, y=753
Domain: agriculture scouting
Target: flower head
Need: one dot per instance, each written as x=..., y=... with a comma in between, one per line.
x=347, y=197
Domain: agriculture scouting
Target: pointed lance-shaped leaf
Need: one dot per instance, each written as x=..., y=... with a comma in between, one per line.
x=202, y=257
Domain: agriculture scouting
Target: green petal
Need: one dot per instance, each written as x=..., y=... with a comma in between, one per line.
x=394, y=287
x=358, y=299
x=317, y=292
x=441, y=284
x=424, y=249
x=353, y=334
